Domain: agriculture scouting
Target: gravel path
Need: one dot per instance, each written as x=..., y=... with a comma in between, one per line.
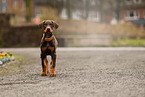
x=86, y=73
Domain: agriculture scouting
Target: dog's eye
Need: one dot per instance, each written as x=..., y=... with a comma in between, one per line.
x=51, y=25
x=45, y=24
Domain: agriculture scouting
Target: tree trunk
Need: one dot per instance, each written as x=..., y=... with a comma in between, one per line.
x=28, y=10
x=101, y=11
x=69, y=9
x=87, y=9
x=118, y=9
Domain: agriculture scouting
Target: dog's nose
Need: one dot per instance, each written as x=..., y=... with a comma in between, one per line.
x=48, y=29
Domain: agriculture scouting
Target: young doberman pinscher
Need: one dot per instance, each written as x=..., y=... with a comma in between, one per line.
x=48, y=46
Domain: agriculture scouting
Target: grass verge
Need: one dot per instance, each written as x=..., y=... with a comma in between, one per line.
x=129, y=43
x=13, y=66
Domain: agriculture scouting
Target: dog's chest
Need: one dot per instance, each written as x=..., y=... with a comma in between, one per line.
x=47, y=43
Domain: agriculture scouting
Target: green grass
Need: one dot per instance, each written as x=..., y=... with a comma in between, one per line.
x=12, y=66
x=129, y=43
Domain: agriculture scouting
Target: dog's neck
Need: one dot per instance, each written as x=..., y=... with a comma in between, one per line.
x=48, y=35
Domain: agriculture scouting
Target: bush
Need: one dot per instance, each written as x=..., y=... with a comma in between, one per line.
x=49, y=14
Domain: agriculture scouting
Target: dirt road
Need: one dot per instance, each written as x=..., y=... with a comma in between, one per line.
x=87, y=73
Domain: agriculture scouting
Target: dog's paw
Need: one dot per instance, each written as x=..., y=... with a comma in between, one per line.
x=53, y=75
x=43, y=74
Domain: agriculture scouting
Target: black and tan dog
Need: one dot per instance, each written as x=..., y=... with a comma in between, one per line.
x=48, y=46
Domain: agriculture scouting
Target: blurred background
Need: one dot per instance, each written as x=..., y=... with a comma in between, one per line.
x=83, y=23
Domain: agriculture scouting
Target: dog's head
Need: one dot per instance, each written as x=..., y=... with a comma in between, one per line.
x=48, y=26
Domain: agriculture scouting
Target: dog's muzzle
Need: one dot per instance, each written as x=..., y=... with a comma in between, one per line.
x=48, y=30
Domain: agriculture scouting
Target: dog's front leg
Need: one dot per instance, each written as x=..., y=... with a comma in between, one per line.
x=44, y=65
x=47, y=69
x=53, y=63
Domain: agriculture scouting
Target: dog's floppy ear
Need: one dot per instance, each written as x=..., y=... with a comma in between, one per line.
x=55, y=24
x=41, y=24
